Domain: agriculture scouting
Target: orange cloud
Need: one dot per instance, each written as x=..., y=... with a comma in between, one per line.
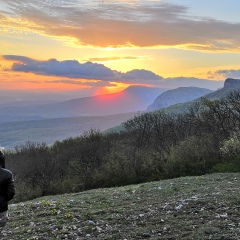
x=120, y=25
x=104, y=59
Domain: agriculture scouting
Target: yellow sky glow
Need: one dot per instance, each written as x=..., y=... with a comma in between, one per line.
x=125, y=35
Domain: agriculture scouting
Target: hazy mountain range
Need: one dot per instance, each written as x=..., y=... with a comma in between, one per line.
x=59, y=119
x=135, y=98
x=43, y=117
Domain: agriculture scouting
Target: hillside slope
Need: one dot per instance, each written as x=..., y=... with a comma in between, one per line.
x=51, y=130
x=178, y=95
x=203, y=207
x=230, y=85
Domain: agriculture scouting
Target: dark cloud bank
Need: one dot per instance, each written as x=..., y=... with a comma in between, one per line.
x=93, y=71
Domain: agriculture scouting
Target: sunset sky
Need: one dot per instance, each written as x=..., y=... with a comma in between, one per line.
x=83, y=44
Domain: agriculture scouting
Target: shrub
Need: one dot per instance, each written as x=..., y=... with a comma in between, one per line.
x=193, y=156
x=230, y=152
x=231, y=146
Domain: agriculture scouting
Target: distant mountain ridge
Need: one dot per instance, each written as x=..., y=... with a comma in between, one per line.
x=178, y=95
x=230, y=85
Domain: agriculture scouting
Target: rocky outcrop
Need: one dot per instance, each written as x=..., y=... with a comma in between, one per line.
x=231, y=82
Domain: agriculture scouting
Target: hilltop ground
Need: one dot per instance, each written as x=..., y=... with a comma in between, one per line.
x=203, y=207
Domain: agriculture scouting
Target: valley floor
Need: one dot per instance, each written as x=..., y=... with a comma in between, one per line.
x=202, y=207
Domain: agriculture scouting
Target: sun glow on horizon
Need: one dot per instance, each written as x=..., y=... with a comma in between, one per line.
x=117, y=87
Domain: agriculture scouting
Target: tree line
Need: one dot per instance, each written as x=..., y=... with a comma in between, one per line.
x=153, y=146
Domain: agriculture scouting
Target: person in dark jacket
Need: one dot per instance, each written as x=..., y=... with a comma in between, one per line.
x=7, y=192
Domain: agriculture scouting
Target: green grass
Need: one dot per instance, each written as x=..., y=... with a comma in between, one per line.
x=203, y=207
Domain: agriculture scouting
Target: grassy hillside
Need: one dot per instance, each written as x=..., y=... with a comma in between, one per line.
x=204, y=207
